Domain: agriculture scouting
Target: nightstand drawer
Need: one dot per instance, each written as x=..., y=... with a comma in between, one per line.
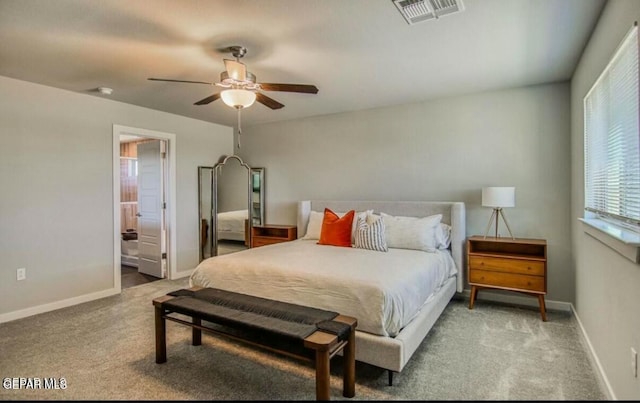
x=507, y=280
x=517, y=266
x=265, y=241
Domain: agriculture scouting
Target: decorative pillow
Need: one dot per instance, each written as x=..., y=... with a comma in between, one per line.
x=336, y=230
x=314, y=226
x=412, y=232
x=443, y=236
x=370, y=232
x=360, y=214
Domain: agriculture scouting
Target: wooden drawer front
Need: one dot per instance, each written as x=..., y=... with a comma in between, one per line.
x=265, y=241
x=507, y=280
x=521, y=266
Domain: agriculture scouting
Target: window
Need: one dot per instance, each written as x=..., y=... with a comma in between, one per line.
x=612, y=138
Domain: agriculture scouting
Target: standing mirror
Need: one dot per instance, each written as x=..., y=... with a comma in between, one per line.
x=231, y=202
x=205, y=211
x=232, y=187
x=257, y=196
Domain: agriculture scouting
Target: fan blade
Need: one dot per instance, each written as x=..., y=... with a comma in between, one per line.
x=236, y=70
x=269, y=102
x=208, y=99
x=307, y=89
x=178, y=81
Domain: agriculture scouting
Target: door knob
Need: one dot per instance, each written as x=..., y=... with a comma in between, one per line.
x=138, y=215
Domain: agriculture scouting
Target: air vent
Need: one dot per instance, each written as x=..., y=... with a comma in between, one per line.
x=415, y=11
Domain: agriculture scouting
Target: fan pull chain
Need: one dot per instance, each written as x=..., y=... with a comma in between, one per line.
x=239, y=127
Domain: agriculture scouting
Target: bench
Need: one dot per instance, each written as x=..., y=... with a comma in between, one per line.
x=293, y=330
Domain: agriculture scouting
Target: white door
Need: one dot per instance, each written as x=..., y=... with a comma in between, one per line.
x=150, y=208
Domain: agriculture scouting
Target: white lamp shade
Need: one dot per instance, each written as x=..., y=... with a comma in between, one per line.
x=499, y=197
x=238, y=98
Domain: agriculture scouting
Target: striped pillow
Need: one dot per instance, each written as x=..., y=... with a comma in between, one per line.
x=370, y=233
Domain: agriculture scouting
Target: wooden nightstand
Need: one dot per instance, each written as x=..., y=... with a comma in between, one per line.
x=270, y=234
x=508, y=264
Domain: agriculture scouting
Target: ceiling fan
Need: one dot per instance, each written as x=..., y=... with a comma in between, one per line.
x=240, y=87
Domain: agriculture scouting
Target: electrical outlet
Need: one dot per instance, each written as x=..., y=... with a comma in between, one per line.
x=634, y=362
x=21, y=273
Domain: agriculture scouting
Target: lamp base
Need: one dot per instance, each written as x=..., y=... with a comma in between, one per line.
x=497, y=211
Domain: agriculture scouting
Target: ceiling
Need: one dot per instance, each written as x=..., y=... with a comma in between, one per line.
x=361, y=54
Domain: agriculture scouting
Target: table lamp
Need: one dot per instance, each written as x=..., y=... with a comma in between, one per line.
x=498, y=197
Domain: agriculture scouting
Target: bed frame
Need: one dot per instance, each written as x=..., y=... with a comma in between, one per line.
x=231, y=236
x=223, y=235
x=393, y=353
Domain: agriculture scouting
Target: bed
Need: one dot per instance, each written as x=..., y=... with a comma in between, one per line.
x=231, y=225
x=387, y=292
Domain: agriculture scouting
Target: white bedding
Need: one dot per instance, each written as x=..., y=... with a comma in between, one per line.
x=232, y=221
x=383, y=290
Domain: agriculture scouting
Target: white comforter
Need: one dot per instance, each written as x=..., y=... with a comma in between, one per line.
x=383, y=290
x=232, y=220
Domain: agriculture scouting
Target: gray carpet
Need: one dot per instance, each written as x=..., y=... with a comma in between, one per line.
x=105, y=350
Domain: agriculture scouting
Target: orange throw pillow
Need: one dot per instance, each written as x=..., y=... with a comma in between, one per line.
x=336, y=231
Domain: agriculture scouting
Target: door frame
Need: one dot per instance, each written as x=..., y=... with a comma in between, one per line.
x=170, y=213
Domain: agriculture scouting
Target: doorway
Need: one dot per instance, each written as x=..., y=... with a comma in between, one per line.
x=144, y=200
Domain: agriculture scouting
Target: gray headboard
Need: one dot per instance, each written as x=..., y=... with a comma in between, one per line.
x=453, y=213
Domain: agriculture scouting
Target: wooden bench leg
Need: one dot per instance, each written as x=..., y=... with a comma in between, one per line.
x=322, y=375
x=196, y=333
x=161, y=333
x=349, y=359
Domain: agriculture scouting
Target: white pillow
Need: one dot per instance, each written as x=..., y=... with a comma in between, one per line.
x=370, y=232
x=314, y=227
x=443, y=236
x=412, y=232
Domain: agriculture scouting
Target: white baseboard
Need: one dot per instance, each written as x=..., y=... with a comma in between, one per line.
x=517, y=299
x=52, y=306
x=182, y=274
x=594, y=358
x=558, y=306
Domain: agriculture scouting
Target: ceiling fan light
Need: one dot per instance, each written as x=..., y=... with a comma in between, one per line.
x=238, y=98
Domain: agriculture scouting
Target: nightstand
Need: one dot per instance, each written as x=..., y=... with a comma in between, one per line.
x=269, y=234
x=508, y=264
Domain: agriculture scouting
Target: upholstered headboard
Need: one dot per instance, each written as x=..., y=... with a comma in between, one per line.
x=453, y=213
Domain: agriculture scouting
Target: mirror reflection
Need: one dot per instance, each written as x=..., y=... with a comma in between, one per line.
x=257, y=196
x=231, y=201
x=232, y=205
x=205, y=210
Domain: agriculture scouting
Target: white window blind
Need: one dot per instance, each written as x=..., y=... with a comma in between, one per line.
x=612, y=137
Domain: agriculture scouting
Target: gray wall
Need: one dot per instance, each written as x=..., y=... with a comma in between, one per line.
x=56, y=208
x=446, y=149
x=607, y=284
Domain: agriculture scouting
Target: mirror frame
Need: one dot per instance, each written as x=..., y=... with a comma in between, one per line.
x=217, y=168
x=260, y=172
x=210, y=230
